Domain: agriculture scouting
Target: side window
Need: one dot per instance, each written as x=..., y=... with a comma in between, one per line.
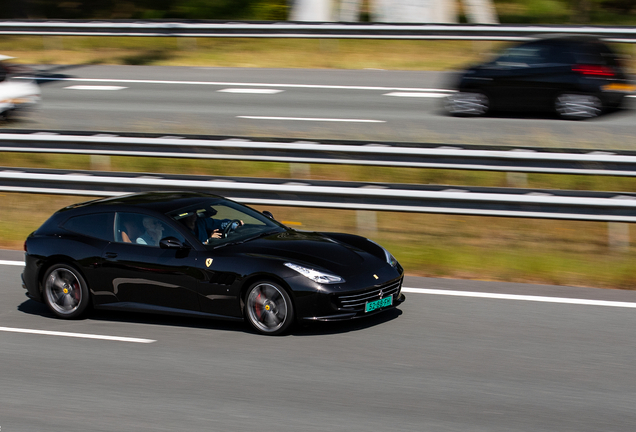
x=524, y=56
x=142, y=229
x=98, y=225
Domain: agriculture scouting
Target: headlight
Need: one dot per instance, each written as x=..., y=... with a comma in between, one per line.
x=316, y=275
x=390, y=259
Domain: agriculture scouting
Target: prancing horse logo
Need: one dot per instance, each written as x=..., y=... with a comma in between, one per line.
x=376, y=276
x=208, y=262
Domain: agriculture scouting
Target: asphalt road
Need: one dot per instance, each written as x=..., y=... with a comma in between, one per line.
x=440, y=364
x=338, y=104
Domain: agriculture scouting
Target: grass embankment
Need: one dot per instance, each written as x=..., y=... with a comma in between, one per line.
x=501, y=249
x=262, y=53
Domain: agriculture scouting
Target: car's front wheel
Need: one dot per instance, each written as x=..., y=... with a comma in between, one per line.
x=577, y=106
x=65, y=291
x=268, y=308
x=467, y=104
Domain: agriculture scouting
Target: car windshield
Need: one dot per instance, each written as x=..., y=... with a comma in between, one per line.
x=216, y=222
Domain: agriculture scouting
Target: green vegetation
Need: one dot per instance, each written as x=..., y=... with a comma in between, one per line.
x=602, y=12
x=509, y=11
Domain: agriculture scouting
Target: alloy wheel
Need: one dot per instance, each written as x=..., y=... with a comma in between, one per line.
x=268, y=308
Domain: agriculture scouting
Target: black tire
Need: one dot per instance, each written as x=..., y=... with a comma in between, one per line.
x=573, y=106
x=468, y=104
x=268, y=308
x=65, y=291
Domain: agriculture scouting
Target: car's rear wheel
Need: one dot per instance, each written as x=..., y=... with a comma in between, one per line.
x=65, y=291
x=467, y=104
x=268, y=308
x=572, y=106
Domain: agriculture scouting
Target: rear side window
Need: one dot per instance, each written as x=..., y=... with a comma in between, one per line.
x=98, y=225
x=595, y=54
x=142, y=229
x=525, y=55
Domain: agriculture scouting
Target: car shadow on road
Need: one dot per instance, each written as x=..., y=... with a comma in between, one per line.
x=339, y=327
x=539, y=115
x=53, y=74
x=32, y=307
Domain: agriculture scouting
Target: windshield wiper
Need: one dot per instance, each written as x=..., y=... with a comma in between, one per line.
x=254, y=237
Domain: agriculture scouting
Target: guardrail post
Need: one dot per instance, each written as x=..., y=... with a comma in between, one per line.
x=100, y=163
x=517, y=179
x=52, y=43
x=187, y=43
x=618, y=236
x=299, y=170
x=367, y=221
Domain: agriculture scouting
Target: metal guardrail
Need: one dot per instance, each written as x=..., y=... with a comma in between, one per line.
x=402, y=155
x=176, y=28
x=508, y=202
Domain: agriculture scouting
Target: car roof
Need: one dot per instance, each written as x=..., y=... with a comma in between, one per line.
x=566, y=38
x=162, y=202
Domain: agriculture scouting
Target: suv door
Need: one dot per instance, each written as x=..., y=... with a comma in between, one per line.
x=521, y=76
x=142, y=274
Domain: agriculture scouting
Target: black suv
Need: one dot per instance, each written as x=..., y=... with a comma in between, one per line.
x=575, y=76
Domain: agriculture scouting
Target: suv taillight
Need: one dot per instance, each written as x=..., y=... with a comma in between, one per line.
x=594, y=70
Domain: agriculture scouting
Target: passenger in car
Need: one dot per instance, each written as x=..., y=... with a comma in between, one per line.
x=130, y=231
x=153, y=234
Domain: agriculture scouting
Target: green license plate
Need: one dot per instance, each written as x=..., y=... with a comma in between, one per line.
x=371, y=306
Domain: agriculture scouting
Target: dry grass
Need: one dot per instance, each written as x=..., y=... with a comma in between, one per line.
x=262, y=53
x=498, y=249
x=520, y=250
x=265, y=53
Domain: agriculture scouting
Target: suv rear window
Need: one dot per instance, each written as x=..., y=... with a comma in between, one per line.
x=594, y=54
x=98, y=225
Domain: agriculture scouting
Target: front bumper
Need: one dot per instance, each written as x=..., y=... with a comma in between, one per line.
x=345, y=316
x=350, y=304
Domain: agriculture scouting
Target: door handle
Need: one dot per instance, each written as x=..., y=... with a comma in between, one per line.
x=111, y=255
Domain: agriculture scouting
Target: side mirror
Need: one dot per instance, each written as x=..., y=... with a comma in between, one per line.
x=171, y=243
x=268, y=214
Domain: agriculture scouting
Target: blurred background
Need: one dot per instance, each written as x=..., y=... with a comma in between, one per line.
x=529, y=250
x=505, y=11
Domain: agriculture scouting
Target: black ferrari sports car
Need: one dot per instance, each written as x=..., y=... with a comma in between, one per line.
x=204, y=255
x=575, y=76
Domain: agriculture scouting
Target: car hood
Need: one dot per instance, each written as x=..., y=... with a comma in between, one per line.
x=313, y=248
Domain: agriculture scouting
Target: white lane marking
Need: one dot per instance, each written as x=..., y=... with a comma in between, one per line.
x=239, y=84
x=417, y=94
x=250, y=91
x=521, y=297
x=76, y=335
x=12, y=263
x=312, y=119
x=87, y=87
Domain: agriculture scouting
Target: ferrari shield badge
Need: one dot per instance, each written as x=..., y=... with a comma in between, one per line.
x=376, y=276
x=208, y=262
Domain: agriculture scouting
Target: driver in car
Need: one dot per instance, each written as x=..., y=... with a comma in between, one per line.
x=201, y=226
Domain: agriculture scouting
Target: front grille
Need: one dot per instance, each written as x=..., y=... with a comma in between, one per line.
x=359, y=299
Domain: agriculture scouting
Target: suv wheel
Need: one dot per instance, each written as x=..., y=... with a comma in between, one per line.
x=577, y=106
